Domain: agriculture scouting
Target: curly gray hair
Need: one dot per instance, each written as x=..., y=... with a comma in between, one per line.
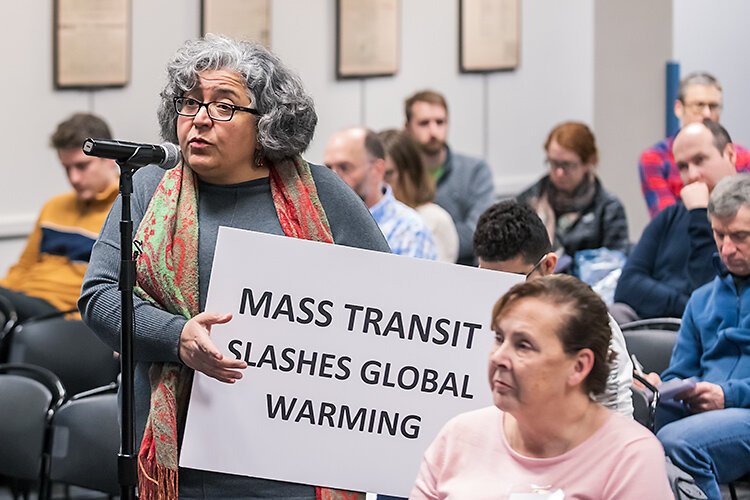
x=288, y=118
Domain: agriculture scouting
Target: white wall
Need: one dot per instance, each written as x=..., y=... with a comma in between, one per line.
x=711, y=35
x=503, y=117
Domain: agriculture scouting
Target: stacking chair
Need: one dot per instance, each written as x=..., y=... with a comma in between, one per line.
x=8, y=320
x=68, y=348
x=652, y=347
x=29, y=397
x=85, y=441
x=670, y=324
x=652, y=340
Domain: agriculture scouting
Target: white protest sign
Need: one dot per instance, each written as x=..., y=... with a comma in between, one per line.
x=356, y=360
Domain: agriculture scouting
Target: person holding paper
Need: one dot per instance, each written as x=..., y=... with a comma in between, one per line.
x=242, y=120
x=545, y=435
x=704, y=428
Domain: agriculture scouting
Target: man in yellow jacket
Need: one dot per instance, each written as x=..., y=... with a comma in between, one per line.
x=47, y=277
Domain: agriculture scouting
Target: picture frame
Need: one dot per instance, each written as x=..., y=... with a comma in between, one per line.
x=367, y=38
x=489, y=35
x=239, y=19
x=91, y=43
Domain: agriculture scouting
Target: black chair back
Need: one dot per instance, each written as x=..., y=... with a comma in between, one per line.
x=8, y=321
x=69, y=349
x=85, y=442
x=29, y=396
x=671, y=324
x=652, y=348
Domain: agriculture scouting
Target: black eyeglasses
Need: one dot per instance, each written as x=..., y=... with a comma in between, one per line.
x=536, y=266
x=219, y=111
x=698, y=106
x=567, y=166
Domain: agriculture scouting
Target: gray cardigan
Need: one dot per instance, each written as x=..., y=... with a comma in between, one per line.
x=465, y=190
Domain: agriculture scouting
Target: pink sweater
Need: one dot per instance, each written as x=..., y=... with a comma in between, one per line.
x=471, y=459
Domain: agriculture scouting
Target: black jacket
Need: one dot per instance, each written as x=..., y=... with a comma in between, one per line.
x=602, y=224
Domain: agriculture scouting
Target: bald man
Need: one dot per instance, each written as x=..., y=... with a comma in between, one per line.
x=357, y=155
x=674, y=254
x=699, y=97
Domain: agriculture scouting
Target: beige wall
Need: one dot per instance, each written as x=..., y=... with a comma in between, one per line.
x=632, y=42
x=502, y=117
x=599, y=62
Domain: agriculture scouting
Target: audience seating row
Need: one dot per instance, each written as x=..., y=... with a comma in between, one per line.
x=46, y=439
x=58, y=405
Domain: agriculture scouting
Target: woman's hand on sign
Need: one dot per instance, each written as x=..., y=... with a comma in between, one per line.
x=199, y=353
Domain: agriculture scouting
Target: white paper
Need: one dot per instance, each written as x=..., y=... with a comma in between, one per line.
x=228, y=426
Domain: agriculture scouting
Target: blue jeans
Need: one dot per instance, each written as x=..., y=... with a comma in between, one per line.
x=713, y=447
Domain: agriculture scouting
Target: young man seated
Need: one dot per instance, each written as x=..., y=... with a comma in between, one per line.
x=47, y=277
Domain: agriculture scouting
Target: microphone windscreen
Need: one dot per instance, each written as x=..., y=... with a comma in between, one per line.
x=172, y=155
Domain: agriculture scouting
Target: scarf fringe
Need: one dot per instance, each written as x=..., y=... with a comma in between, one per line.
x=164, y=487
x=331, y=494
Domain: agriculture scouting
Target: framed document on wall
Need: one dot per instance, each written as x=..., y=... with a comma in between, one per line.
x=239, y=19
x=489, y=35
x=367, y=38
x=91, y=43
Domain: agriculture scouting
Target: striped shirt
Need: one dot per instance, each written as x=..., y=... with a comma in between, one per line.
x=403, y=228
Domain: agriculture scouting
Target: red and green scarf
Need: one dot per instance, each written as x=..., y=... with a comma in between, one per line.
x=167, y=276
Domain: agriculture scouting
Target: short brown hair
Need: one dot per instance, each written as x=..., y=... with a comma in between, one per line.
x=72, y=132
x=577, y=137
x=415, y=185
x=429, y=96
x=584, y=320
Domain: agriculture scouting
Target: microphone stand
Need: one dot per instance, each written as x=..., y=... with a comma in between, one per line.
x=130, y=157
x=127, y=460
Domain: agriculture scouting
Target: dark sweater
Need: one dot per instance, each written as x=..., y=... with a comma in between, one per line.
x=672, y=258
x=248, y=205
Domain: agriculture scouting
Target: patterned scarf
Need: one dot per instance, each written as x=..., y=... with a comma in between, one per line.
x=167, y=276
x=559, y=210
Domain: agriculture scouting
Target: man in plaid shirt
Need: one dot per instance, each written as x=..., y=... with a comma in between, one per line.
x=699, y=96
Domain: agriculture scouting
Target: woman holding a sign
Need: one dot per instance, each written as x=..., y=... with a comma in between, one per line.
x=545, y=435
x=242, y=120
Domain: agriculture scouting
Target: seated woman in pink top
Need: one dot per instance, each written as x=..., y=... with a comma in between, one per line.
x=545, y=435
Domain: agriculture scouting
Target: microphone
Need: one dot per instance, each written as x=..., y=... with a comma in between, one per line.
x=165, y=155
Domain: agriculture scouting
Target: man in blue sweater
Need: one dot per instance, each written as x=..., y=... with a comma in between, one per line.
x=706, y=429
x=673, y=256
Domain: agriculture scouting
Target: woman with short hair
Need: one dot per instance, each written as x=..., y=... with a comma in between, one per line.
x=545, y=434
x=576, y=209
